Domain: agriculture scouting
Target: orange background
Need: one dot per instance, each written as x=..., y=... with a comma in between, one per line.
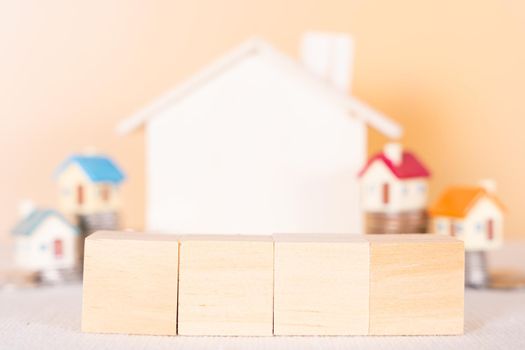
x=452, y=72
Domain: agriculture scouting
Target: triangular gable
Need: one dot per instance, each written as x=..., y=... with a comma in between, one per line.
x=357, y=108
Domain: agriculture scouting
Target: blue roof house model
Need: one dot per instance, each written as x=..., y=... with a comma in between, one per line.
x=89, y=184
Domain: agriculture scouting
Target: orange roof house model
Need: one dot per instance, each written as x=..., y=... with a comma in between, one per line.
x=471, y=213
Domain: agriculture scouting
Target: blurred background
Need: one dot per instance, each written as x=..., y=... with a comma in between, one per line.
x=450, y=72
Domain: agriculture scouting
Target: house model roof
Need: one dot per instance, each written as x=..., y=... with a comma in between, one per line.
x=97, y=167
x=408, y=167
x=457, y=201
x=30, y=222
x=252, y=47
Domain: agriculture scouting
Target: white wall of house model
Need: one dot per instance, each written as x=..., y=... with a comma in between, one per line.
x=256, y=144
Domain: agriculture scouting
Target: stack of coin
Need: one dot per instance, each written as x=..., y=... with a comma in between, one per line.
x=58, y=276
x=98, y=221
x=404, y=222
x=91, y=223
x=476, y=273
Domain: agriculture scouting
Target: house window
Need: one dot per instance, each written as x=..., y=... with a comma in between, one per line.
x=404, y=190
x=440, y=227
x=58, y=248
x=422, y=189
x=43, y=247
x=459, y=227
x=479, y=227
x=105, y=192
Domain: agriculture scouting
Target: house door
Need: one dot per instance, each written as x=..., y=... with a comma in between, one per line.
x=386, y=193
x=490, y=229
x=58, y=248
x=80, y=195
x=452, y=229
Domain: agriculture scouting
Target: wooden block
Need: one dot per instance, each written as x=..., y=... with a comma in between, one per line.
x=416, y=285
x=130, y=283
x=226, y=285
x=321, y=285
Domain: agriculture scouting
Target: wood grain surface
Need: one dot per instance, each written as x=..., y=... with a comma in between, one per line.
x=130, y=284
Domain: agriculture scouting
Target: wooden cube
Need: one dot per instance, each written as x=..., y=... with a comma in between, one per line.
x=321, y=285
x=130, y=283
x=416, y=285
x=226, y=285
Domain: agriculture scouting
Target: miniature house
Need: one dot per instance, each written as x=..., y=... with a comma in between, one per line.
x=394, y=181
x=472, y=214
x=256, y=143
x=45, y=241
x=89, y=184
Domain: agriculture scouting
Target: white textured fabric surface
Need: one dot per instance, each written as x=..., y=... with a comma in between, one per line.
x=49, y=318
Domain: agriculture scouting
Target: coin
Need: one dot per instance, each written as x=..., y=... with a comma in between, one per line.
x=507, y=279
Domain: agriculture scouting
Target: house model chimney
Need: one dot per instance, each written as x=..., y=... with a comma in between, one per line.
x=330, y=57
x=393, y=152
x=25, y=207
x=488, y=185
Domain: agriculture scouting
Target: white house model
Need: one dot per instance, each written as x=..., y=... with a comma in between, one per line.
x=394, y=181
x=45, y=241
x=473, y=214
x=256, y=143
